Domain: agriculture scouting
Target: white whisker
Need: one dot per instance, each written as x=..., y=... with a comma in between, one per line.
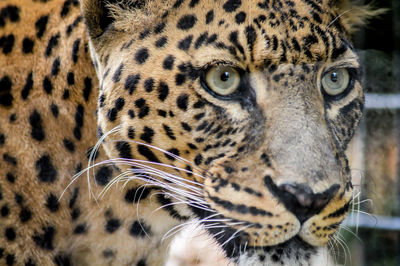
x=346, y=249
x=181, y=159
x=196, y=204
x=180, y=227
x=338, y=17
x=93, y=155
x=234, y=235
x=141, y=164
x=350, y=231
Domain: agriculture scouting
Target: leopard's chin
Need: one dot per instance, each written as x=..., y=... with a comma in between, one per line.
x=292, y=252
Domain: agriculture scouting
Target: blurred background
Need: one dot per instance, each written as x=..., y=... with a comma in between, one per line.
x=375, y=151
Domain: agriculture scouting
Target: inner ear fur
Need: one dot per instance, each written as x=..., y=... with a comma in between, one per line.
x=103, y=15
x=97, y=16
x=353, y=15
x=108, y=20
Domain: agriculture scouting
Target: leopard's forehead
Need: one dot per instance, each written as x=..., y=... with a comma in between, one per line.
x=249, y=33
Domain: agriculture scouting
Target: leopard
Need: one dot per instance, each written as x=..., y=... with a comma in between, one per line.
x=123, y=121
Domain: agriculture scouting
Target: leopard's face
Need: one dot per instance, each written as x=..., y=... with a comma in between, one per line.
x=241, y=110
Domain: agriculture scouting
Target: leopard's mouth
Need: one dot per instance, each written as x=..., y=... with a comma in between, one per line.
x=274, y=216
x=240, y=228
x=246, y=236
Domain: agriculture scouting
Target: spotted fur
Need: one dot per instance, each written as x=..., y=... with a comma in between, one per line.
x=109, y=143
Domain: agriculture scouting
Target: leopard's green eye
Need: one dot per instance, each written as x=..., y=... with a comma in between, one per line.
x=336, y=81
x=222, y=80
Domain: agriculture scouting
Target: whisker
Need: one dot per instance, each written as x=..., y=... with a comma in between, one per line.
x=168, y=166
x=179, y=158
x=245, y=246
x=166, y=174
x=344, y=246
x=176, y=229
x=347, y=229
x=195, y=204
x=235, y=223
x=332, y=250
x=180, y=196
x=143, y=228
x=148, y=175
x=364, y=201
x=143, y=164
x=366, y=213
x=93, y=155
x=335, y=242
x=180, y=227
x=356, y=203
x=176, y=190
x=235, y=234
x=217, y=234
x=338, y=17
x=76, y=176
x=112, y=182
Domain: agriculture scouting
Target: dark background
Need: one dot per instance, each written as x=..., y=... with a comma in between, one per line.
x=379, y=135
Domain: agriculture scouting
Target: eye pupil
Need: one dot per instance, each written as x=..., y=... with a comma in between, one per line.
x=223, y=80
x=224, y=76
x=334, y=77
x=336, y=81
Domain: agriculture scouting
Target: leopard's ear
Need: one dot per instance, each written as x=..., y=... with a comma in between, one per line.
x=101, y=15
x=353, y=16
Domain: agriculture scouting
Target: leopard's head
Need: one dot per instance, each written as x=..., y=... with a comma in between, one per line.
x=240, y=110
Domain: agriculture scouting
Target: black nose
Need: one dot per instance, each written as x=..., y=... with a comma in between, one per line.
x=300, y=199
